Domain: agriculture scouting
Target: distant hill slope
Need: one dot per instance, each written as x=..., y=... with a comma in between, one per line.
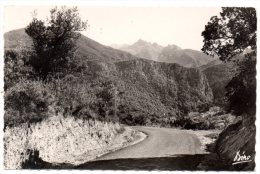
x=184, y=57
x=93, y=50
x=88, y=48
x=170, y=54
x=151, y=92
x=210, y=64
x=15, y=39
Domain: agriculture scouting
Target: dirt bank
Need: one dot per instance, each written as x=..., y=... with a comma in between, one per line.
x=65, y=140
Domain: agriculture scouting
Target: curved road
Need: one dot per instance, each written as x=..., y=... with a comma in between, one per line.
x=163, y=149
x=161, y=142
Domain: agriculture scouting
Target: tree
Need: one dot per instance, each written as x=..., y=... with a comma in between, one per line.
x=54, y=40
x=232, y=37
x=231, y=33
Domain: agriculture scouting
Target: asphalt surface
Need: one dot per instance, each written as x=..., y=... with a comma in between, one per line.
x=163, y=149
x=160, y=142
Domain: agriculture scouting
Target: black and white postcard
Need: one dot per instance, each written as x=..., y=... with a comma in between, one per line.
x=129, y=87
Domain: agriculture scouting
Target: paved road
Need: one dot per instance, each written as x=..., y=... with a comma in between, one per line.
x=161, y=142
x=163, y=149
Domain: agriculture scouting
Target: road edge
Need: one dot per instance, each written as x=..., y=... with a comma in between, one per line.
x=138, y=138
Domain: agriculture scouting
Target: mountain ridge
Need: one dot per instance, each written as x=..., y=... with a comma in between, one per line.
x=152, y=92
x=143, y=49
x=87, y=47
x=170, y=53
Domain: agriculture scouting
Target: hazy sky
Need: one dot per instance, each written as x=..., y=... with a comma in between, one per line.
x=125, y=25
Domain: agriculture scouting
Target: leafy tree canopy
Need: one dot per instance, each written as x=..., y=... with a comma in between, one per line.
x=231, y=34
x=54, y=39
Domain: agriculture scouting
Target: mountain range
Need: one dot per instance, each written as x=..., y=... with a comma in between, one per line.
x=170, y=54
x=87, y=48
x=217, y=72
x=152, y=91
x=142, y=49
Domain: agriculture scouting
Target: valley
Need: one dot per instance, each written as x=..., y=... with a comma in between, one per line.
x=111, y=96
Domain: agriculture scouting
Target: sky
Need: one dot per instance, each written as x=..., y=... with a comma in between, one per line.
x=108, y=25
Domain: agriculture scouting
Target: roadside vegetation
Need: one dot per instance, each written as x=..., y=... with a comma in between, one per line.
x=49, y=107
x=232, y=37
x=67, y=109
x=214, y=118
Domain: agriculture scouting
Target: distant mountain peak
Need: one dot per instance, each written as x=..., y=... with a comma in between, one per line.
x=170, y=54
x=172, y=46
x=141, y=42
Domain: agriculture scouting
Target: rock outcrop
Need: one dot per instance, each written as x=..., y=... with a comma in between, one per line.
x=151, y=92
x=240, y=138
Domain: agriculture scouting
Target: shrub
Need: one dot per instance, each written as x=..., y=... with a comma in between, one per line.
x=28, y=101
x=75, y=96
x=189, y=123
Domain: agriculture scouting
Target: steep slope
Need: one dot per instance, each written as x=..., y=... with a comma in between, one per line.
x=218, y=75
x=239, y=137
x=92, y=50
x=87, y=48
x=184, y=57
x=149, y=92
x=154, y=92
x=142, y=49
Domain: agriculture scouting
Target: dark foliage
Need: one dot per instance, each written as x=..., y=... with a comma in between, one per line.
x=54, y=41
x=106, y=98
x=241, y=90
x=232, y=34
x=187, y=123
x=28, y=101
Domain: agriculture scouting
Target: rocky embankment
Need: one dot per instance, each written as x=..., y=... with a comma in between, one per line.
x=234, y=148
x=64, y=140
x=239, y=137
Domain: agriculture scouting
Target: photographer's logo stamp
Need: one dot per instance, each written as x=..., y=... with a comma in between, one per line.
x=241, y=158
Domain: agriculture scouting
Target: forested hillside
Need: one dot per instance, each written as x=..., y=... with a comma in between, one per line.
x=137, y=91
